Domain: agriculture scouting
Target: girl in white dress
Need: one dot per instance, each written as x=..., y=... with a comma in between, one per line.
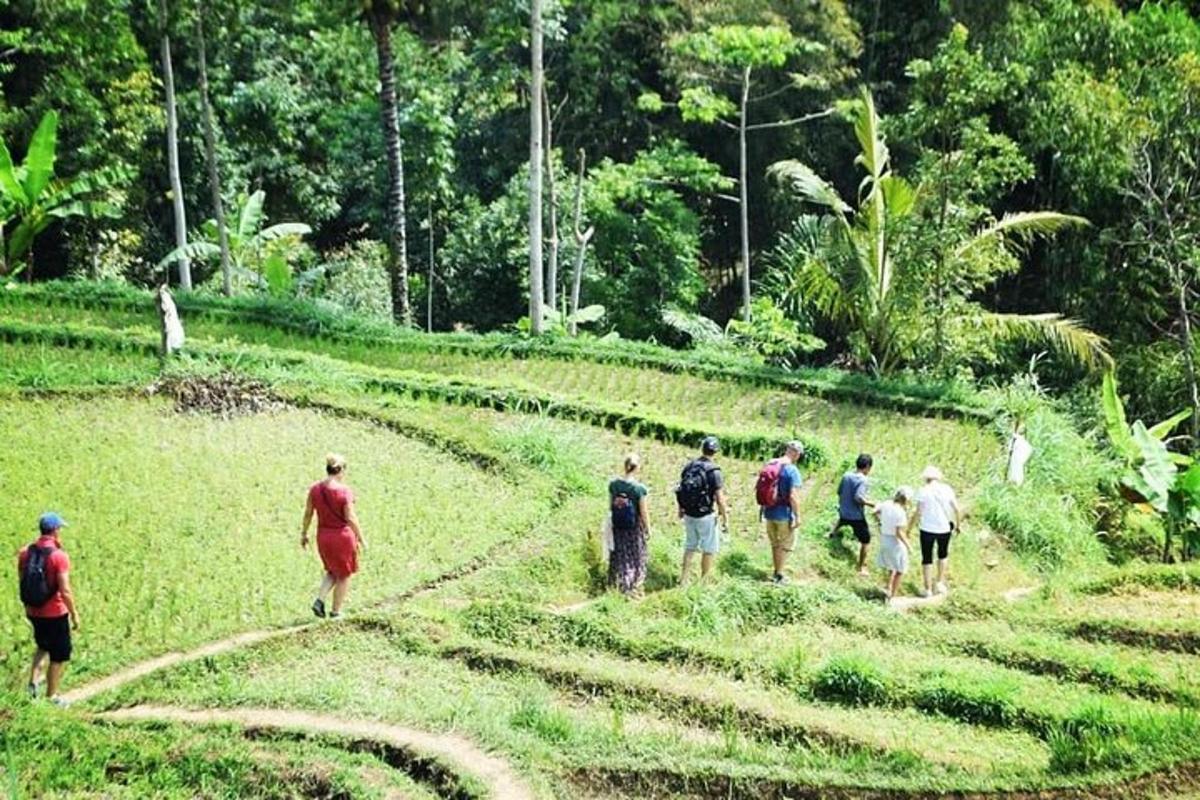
x=893, y=545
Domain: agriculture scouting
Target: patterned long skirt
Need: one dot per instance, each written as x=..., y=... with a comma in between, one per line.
x=627, y=562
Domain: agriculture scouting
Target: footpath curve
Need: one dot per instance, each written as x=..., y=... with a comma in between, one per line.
x=456, y=751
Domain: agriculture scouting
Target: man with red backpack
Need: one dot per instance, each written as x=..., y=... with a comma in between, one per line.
x=43, y=569
x=778, y=495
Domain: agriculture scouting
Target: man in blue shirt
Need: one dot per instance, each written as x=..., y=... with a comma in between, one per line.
x=853, y=505
x=783, y=515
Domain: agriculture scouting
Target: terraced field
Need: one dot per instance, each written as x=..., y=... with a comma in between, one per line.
x=483, y=657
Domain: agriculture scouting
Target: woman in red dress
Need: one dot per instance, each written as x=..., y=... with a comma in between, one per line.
x=339, y=538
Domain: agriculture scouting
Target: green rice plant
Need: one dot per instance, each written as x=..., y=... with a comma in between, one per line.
x=317, y=320
x=560, y=451
x=851, y=680
x=134, y=554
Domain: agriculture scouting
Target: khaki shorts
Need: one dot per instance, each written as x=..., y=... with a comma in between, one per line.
x=781, y=534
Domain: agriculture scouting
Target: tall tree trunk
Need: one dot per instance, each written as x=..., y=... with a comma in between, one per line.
x=210, y=155
x=535, y=169
x=185, y=264
x=1187, y=343
x=429, y=281
x=381, y=28
x=939, y=283
x=581, y=243
x=743, y=196
x=552, y=198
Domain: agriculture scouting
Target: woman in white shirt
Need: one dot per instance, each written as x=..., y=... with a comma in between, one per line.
x=893, y=544
x=939, y=516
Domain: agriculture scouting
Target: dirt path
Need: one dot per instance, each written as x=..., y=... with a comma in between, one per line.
x=457, y=751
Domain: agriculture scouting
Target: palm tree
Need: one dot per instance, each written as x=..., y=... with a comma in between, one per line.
x=254, y=256
x=843, y=264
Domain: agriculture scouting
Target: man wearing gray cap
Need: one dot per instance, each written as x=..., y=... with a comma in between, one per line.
x=700, y=495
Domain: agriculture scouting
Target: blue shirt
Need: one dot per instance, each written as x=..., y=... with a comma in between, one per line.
x=851, y=492
x=789, y=479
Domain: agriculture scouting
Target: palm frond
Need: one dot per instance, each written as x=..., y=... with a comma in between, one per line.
x=1067, y=336
x=193, y=251
x=39, y=161
x=251, y=217
x=9, y=184
x=1015, y=231
x=808, y=184
x=283, y=229
x=874, y=156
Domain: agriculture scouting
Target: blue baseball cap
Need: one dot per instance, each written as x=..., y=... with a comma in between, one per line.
x=50, y=521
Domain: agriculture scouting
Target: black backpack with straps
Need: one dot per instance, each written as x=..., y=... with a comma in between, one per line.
x=695, y=493
x=36, y=589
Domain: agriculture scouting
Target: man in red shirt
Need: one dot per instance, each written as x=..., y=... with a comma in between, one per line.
x=43, y=569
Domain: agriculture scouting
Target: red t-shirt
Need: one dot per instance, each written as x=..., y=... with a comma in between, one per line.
x=330, y=503
x=56, y=565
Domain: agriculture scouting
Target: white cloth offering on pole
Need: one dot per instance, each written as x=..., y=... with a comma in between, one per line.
x=172, y=327
x=1019, y=452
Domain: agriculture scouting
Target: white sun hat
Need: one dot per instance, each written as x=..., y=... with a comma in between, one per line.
x=932, y=473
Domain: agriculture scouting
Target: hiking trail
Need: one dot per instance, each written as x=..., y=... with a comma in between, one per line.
x=456, y=751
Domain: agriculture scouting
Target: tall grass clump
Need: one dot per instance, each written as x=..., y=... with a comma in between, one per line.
x=852, y=680
x=560, y=451
x=1051, y=518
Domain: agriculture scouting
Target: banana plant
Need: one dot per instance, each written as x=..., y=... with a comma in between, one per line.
x=1156, y=478
x=259, y=255
x=844, y=263
x=30, y=194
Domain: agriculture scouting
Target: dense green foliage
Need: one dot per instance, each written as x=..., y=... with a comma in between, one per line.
x=1083, y=109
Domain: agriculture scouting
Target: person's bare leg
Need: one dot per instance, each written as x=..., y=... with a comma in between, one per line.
x=687, y=566
x=862, y=559
x=894, y=585
x=340, y=589
x=35, y=667
x=326, y=584
x=706, y=564
x=54, y=678
x=927, y=575
x=943, y=569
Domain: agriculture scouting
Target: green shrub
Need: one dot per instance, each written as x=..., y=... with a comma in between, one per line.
x=851, y=680
x=979, y=703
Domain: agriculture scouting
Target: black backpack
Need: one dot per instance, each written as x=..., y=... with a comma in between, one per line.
x=35, y=579
x=694, y=493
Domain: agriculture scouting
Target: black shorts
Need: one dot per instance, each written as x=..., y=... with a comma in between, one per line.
x=53, y=635
x=928, y=540
x=862, y=531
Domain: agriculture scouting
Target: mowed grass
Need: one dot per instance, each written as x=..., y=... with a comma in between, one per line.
x=965, y=451
x=185, y=528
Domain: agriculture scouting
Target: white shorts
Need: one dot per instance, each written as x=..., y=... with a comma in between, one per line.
x=701, y=533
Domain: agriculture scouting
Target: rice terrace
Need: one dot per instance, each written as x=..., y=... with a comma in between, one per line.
x=596, y=399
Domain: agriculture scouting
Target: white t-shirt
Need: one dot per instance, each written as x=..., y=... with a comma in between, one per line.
x=891, y=518
x=935, y=507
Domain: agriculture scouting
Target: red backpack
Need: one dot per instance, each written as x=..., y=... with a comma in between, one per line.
x=766, y=491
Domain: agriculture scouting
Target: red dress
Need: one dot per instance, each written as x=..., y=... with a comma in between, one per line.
x=335, y=538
